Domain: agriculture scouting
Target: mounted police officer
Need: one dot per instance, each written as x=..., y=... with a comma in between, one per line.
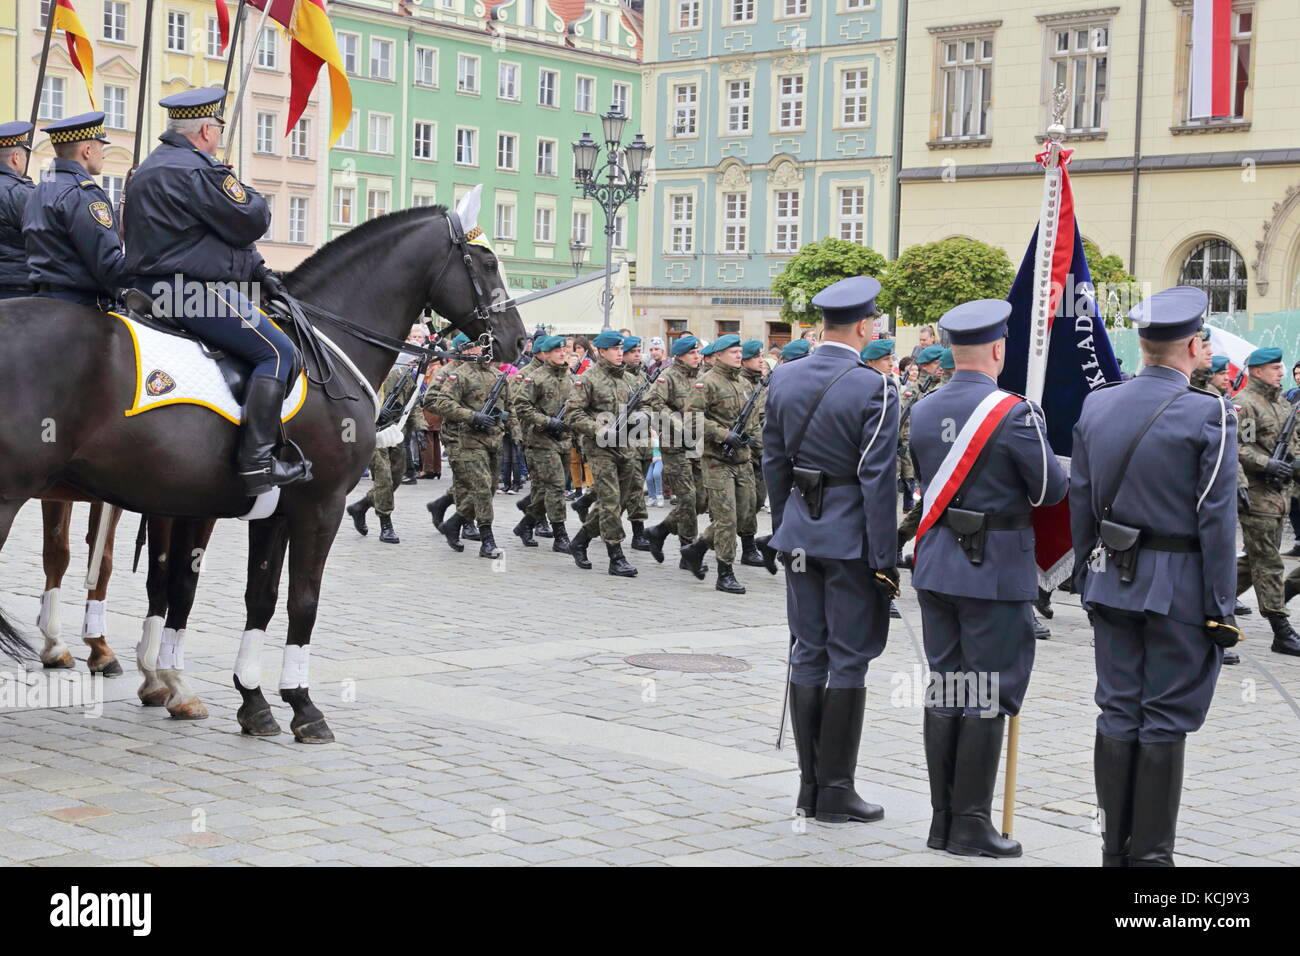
x=540, y=394
x=982, y=457
x=15, y=190
x=73, y=248
x=829, y=456
x=190, y=220
x=1152, y=501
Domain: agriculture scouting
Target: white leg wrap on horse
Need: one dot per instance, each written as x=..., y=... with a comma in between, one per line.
x=248, y=663
x=48, y=621
x=146, y=652
x=95, y=623
x=171, y=653
x=293, y=670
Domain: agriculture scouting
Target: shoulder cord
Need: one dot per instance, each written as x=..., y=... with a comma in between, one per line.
x=1223, y=438
x=884, y=407
x=1042, y=442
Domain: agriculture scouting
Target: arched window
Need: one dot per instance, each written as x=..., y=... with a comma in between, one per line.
x=1215, y=266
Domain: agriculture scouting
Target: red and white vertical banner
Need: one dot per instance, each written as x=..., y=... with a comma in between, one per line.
x=1211, y=73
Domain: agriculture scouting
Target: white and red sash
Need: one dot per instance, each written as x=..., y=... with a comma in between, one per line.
x=963, y=454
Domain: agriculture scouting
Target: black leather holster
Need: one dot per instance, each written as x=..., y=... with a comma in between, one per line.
x=970, y=528
x=811, y=485
x=1122, y=544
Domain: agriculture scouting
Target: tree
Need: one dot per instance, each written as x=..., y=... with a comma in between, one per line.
x=929, y=279
x=1117, y=291
x=816, y=266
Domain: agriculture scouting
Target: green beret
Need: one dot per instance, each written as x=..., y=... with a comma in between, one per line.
x=1264, y=356
x=685, y=343
x=751, y=349
x=607, y=340
x=946, y=360
x=630, y=343
x=795, y=350
x=459, y=341
x=722, y=343
x=878, y=349
x=547, y=343
x=931, y=353
x=1218, y=363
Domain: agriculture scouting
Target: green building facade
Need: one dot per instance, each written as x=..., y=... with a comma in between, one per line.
x=444, y=99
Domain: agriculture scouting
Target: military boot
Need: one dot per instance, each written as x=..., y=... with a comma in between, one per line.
x=979, y=748
x=750, y=556
x=639, y=541
x=837, y=758
x=386, y=533
x=767, y=551
x=523, y=503
x=693, y=559
x=1157, y=790
x=1041, y=631
x=560, y=542
x=655, y=538
x=618, y=565
x=437, y=509
x=469, y=532
x=525, y=531
x=583, y=505
x=1289, y=590
x=578, y=549
x=1241, y=610
x=727, y=580
x=1285, y=639
x=357, y=512
x=487, y=544
x=543, y=528
x=941, y=733
x=451, y=531
x=1112, y=766
x=806, y=719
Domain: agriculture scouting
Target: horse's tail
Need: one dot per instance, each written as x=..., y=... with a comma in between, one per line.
x=12, y=644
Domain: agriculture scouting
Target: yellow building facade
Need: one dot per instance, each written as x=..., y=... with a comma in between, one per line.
x=1209, y=203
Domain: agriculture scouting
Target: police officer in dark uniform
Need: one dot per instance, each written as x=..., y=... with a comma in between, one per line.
x=189, y=219
x=1153, y=518
x=15, y=190
x=73, y=249
x=830, y=445
x=983, y=460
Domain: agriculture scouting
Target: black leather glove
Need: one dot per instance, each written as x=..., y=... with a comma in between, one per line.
x=886, y=581
x=273, y=286
x=482, y=423
x=1223, y=631
x=1243, y=498
x=1277, y=471
x=732, y=444
x=555, y=427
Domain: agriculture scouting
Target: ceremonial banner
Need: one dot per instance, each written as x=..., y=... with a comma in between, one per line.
x=311, y=46
x=79, y=49
x=1211, y=62
x=223, y=23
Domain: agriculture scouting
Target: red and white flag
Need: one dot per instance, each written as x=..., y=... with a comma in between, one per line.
x=1236, y=349
x=1211, y=79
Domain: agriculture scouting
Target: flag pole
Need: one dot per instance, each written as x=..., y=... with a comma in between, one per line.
x=233, y=128
x=143, y=98
x=40, y=73
x=234, y=42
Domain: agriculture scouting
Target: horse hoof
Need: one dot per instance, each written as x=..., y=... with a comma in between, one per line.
x=111, y=667
x=191, y=709
x=315, y=732
x=257, y=723
x=62, y=661
x=153, y=693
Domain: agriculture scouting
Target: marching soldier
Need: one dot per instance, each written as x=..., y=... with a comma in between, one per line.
x=680, y=446
x=70, y=236
x=799, y=348
x=754, y=371
x=1205, y=363
x=460, y=400
x=598, y=396
x=635, y=507
x=456, y=493
x=880, y=356
x=1152, y=486
x=974, y=571
x=15, y=190
x=1264, y=507
x=1219, y=373
x=829, y=453
x=387, y=465
x=541, y=393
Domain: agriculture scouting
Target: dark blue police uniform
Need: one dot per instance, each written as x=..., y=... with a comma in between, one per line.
x=15, y=190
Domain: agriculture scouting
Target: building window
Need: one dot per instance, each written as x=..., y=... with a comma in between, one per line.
x=422, y=140
x=344, y=201
x=268, y=50
x=584, y=98
x=685, y=109
x=350, y=51
x=1239, y=64
x=622, y=98
x=688, y=14
x=620, y=231
x=581, y=226
x=682, y=229
x=299, y=138
x=548, y=85
x=178, y=29
x=508, y=81
x=466, y=73
x=1218, y=268
x=426, y=66
x=114, y=186
x=533, y=15
x=115, y=107
x=381, y=59
x=735, y=222
x=376, y=203
x=264, y=138
x=739, y=101
x=1080, y=62
x=965, y=86
x=794, y=8
x=852, y=208
x=787, y=221
x=603, y=27
x=741, y=11
x=508, y=152
x=790, y=102
x=505, y=224
x=858, y=4
x=420, y=200
x=381, y=133
x=349, y=138
x=544, y=224
x=297, y=219
x=466, y=146
x=546, y=157
x=52, y=98
x=214, y=37
x=854, y=107
x=115, y=21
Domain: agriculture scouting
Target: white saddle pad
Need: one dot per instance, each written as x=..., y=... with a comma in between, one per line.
x=170, y=370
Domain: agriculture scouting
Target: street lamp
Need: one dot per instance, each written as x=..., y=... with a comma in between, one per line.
x=623, y=181
x=576, y=251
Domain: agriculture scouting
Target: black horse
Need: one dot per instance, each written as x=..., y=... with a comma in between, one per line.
x=67, y=373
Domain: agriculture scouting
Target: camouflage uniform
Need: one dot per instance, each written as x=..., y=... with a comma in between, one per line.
x=450, y=433
x=540, y=393
x=719, y=396
x=477, y=461
x=388, y=465
x=1261, y=417
x=683, y=472
x=603, y=390
x=754, y=429
x=645, y=453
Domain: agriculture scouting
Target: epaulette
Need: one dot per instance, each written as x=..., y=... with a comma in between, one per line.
x=85, y=182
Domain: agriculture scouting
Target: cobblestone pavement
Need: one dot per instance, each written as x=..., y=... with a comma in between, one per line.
x=485, y=714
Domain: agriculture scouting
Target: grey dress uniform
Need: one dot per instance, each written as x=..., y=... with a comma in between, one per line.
x=1156, y=660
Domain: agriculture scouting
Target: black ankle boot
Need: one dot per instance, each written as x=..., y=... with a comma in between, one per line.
x=451, y=531
x=258, y=436
x=469, y=532
x=941, y=734
x=386, y=533
x=437, y=509
x=1113, y=763
x=525, y=531
x=655, y=538
x=618, y=565
x=487, y=544
x=837, y=758
x=693, y=559
x=750, y=556
x=727, y=582
x=979, y=749
x=806, y=720
x=578, y=549
x=583, y=505
x=768, y=552
x=543, y=528
x=357, y=511
x=639, y=541
x=1157, y=791
x=1285, y=639
x=523, y=503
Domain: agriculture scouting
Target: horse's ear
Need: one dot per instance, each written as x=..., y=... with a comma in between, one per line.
x=468, y=208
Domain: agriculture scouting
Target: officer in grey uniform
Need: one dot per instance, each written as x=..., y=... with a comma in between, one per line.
x=829, y=457
x=15, y=189
x=983, y=460
x=1153, y=518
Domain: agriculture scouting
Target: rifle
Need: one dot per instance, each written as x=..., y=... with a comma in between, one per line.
x=633, y=401
x=1282, y=450
x=742, y=420
x=490, y=405
x=922, y=386
x=1236, y=382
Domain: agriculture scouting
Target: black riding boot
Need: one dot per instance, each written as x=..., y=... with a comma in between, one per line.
x=487, y=544
x=1157, y=790
x=1112, y=767
x=451, y=531
x=750, y=556
x=437, y=509
x=767, y=551
x=979, y=748
x=806, y=719
x=655, y=538
x=386, y=533
x=560, y=542
x=525, y=531
x=941, y=734
x=639, y=541
x=837, y=758
x=618, y=565
x=727, y=582
x=578, y=549
x=1285, y=639
x=357, y=512
x=693, y=558
x=583, y=505
x=256, y=461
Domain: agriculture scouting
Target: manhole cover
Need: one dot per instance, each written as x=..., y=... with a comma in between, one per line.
x=689, y=663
